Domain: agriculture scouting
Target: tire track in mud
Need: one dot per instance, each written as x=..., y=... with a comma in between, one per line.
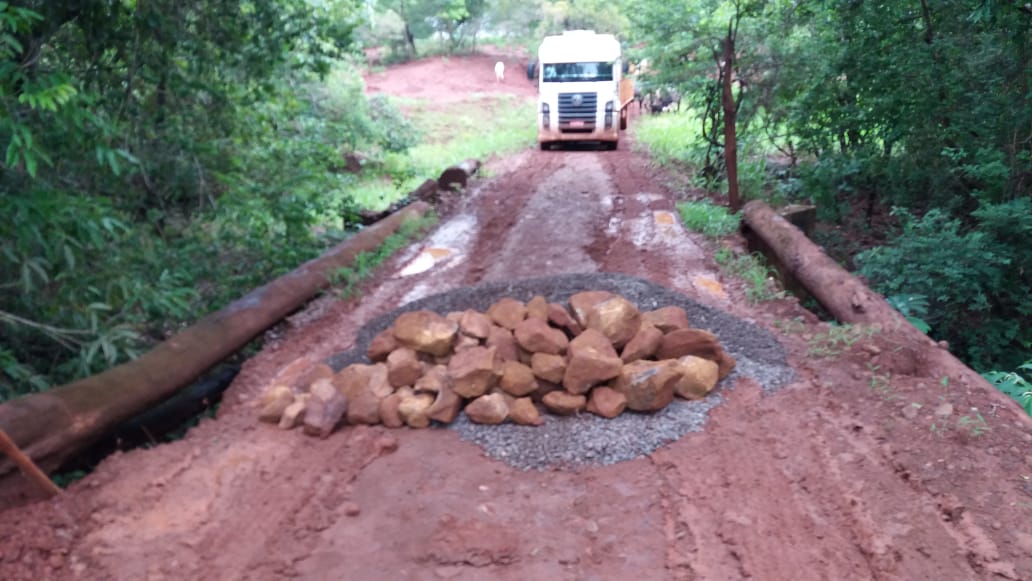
x=535, y=220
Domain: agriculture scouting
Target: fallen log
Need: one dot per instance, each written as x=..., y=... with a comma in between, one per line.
x=849, y=300
x=426, y=192
x=457, y=176
x=52, y=425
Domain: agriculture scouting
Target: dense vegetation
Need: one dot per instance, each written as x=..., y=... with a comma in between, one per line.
x=909, y=123
x=163, y=157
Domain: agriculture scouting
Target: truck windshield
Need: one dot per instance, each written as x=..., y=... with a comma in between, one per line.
x=576, y=72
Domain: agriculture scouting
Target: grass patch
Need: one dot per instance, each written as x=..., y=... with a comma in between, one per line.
x=709, y=219
x=670, y=138
x=345, y=280
x=761, y=284
x=839, y=339
x=478, y=127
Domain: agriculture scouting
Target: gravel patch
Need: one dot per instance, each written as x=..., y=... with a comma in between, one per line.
x=589, y=439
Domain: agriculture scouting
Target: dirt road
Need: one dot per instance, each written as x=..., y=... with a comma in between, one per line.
x=857, y=470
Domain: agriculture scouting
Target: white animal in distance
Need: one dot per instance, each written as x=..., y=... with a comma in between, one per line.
x=499, y=71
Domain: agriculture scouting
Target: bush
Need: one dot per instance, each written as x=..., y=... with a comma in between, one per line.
x=977, y=278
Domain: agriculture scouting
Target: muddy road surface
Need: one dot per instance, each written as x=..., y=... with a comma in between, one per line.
x=858, y=468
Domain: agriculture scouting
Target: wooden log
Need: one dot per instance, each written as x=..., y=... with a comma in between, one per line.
x=52, y=425
x=456, y=176
x=849, y=300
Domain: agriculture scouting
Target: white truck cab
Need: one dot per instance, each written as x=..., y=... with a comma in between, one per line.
x=579, y=88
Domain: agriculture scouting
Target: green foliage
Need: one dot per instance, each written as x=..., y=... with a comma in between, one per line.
x=761, y=284
x=671, y=138
x=1016, y=384
x=709, y=219
x=157, y=168
x=346, y=279
x=512, y=129
x=913, y=307
x=977, y=280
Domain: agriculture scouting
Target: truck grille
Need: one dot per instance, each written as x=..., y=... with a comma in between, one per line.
x=577, y=117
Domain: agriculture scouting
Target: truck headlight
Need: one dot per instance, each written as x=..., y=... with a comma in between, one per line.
x=609, y=114
x=545, y=115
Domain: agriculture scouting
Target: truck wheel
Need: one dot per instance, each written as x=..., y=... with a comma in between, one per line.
x=612, y=145
x=545, y=145
x=623, y=119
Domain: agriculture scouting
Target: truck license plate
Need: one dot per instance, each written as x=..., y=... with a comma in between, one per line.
x=576, y=124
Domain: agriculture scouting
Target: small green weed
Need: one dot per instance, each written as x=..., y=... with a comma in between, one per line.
x=346, y=279
x=708, y=218
x=793, y=326
x=881, y=384
x=839, y=339
x=974, y=424
x=761, y=284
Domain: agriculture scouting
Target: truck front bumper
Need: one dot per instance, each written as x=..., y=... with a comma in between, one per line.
x=552, y=135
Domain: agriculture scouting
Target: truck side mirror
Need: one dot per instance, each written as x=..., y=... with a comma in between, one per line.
x=626, y=67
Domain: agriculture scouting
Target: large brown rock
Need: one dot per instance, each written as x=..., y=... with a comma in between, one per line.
x=475, y=324
x=315, y=373
x=389, y=413
x=560, y=317
x=643, y=345
x=537, y=308
x=647, y=385
x=488, y=409
x=698, y=377
x=583, y=302
x=726, y=363
x=274, y=402
x=592, y=361
x=446, y=406
x=377, y=377
x=382, y=345
x=463, y=342
x=403, y=367
x=517, y=379
x=435, y=380
x=522, y=411
x=507, y=312
x=502, y=340
x=681, y=342
x=563, y=403
x=666, y=319
x=364, y=408
x=536, y=336
x=426, y=332
x=357, y=378
x=592, y=340
x=548, y=367
x=606, y=402
x=364, y=386
x=415, y=409
x=616, y=317
x=326, y=406
x=295, y=412
x=296, y=374
x=474, y=371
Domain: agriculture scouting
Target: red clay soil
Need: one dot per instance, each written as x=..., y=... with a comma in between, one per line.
x=861, y=469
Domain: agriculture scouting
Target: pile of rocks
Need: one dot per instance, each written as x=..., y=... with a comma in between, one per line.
x=602, y=355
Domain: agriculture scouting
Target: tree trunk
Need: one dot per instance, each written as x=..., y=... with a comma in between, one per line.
x=730, y=114
x=51, y=426
x=849, y=300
